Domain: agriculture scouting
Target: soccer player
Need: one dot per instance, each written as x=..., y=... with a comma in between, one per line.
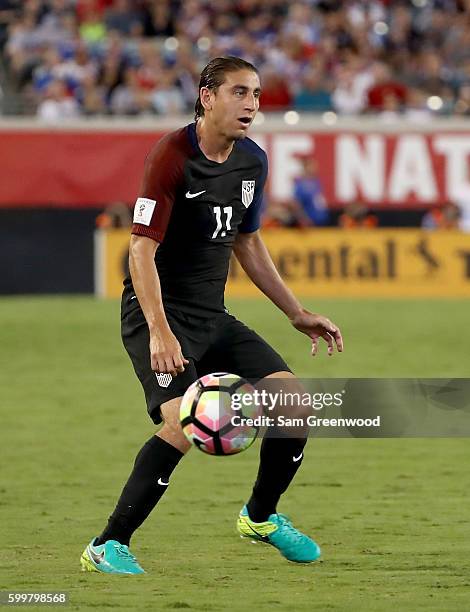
x=200, y=199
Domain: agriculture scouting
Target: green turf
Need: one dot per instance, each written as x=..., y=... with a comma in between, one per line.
x=391, y=515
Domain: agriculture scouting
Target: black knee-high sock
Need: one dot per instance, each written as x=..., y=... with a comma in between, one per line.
x=280, y=458
x=147, y=483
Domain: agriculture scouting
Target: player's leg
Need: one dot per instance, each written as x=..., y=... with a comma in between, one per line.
x=171, y=432
x=148, y=481
x=149, y=478
x=242, y=351
x=281, y=451
x=155, y=461
x=281, y=455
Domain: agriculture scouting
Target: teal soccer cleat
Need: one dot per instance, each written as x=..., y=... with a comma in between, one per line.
x=280, y=533
x=109, y=558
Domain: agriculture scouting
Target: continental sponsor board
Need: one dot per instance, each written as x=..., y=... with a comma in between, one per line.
x=332, y=263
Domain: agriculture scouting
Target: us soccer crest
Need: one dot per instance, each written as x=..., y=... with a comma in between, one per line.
x=163, y=379
x=248, y=191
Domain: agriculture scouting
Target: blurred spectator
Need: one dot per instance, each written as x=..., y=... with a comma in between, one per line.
x=8, y=9
x=403, y=31
x=92, y=26
x=167, y=98
x=57, y=104
x=275, y=93
x=83, y=7
x=308, y=193
x=356, y=215
x=288, y=57
x=114, y=215
x=113, y=65
x=431, y=75
x=407, y=59
x=300, y=22
x=383, y=88
x=280, y=214
x=349, y=95
x=313, y=95
x=157, y=19
x=462, y=106
x=151, y=65
x=92, y=96
x=193, y=20
x=447, y=216
x=417, y=109
x=48, y=70
x=23, y=44
x=130, y=98
x=448, y=99
x=122, y=17
x=52, y=27
x=188, y=75
x=77, y=68
x=391, y=108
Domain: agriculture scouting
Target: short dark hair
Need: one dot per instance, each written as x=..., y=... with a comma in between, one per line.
x=213, y=76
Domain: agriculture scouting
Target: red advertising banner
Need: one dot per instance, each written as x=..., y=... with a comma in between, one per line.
x=95, y=168
x=71, y=168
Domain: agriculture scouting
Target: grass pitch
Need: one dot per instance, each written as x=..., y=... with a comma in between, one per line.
x=390, y=515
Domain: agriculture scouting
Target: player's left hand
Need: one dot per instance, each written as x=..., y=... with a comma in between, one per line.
x=316, y=326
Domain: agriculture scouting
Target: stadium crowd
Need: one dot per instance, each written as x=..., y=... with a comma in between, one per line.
x=123, y=57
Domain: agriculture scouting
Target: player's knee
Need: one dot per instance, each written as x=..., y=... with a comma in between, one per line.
x=173, y=434
x=301, y=412
x=171, y=431
x=170, y=412
x=290, y=393
x=173, y=427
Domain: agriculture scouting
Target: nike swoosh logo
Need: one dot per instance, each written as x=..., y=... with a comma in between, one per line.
x=134, y=297
x=262, y=537
x=295, y=459
x=194, y=195
x=96, y=558
x=164, y=484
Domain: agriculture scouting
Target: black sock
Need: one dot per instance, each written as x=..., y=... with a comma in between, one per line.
x=147, y=483
x=280, y=458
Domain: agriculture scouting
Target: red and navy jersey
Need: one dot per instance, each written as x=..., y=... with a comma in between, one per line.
x=194, y=208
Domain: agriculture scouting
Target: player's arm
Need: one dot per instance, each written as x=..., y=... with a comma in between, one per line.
x=254, y=258
x=165, y=350
x=162, y=174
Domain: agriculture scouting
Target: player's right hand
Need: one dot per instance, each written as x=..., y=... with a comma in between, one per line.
x=166, y=356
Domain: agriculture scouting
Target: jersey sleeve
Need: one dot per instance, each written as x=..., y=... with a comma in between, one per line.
x=252, y=218
x=163, y=175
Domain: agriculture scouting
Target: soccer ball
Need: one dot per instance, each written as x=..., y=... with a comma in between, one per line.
x=207, y=410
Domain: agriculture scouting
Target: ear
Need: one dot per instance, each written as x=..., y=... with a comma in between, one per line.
x=205, y=96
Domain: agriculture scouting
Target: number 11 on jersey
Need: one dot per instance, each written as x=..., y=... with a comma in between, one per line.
x=220, y=225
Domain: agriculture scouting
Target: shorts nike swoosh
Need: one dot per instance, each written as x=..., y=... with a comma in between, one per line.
x=161, y=482
x=295, y=459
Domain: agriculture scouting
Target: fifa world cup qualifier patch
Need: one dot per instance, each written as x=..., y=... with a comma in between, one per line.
x=143, y=210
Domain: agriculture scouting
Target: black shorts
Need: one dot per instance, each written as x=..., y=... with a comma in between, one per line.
x=219, y=344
